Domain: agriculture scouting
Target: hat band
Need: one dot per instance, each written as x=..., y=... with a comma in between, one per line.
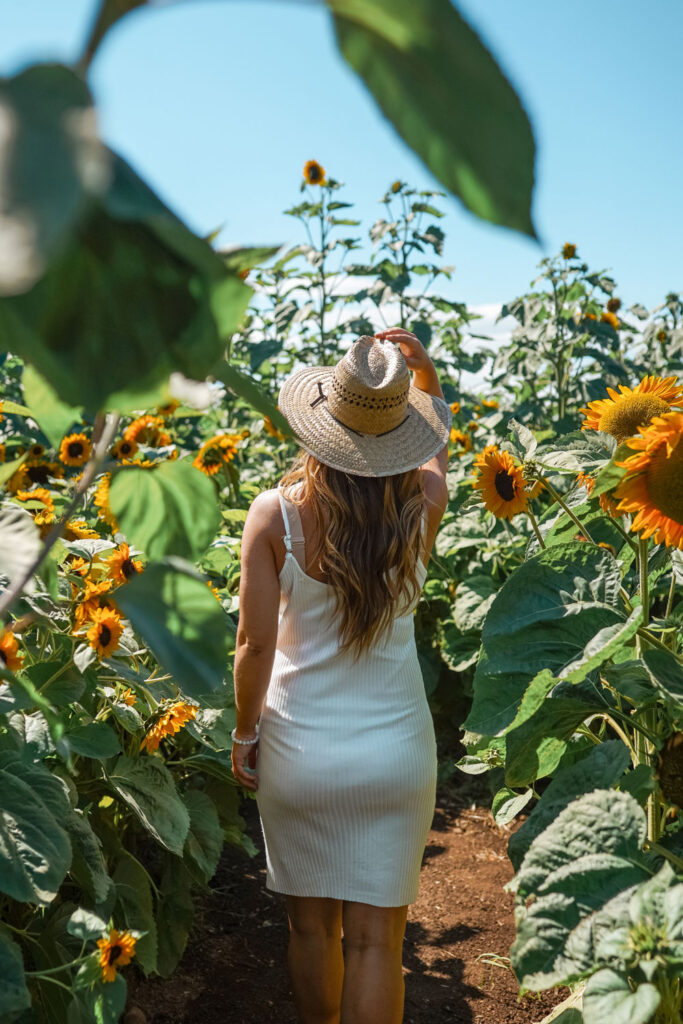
x=322, y=397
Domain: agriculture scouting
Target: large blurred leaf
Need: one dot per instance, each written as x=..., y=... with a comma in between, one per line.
x=178, y=616
x=131, y=296
x=168, y=509
x=245, y=388
x=52, y=416
x=147, y=786
x=50, y=161
x=609, y=996
x=556, y=612
x=443, y=91
x=35, y=851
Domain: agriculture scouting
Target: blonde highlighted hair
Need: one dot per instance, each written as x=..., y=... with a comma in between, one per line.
x=368, y=543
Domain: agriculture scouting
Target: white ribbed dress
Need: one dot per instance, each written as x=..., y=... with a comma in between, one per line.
x=347, y=755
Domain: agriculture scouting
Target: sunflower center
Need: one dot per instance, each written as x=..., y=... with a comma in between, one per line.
x=126, y=447
x=3, y=659
x=38, y=474
x=665, y=482
x=75, y=449
x=114, y=952
x=127, y=568
x=622, y=419
x=505, y=485
x=105, y=635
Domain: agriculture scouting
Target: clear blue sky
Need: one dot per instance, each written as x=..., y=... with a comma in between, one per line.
x=218, y=105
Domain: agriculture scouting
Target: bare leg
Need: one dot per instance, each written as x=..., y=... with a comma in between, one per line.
x=374, y=990
x=314, y=957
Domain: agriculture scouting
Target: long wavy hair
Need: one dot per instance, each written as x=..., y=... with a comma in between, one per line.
x=369, y=539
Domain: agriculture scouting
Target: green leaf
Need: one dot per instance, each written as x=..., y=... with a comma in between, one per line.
x=96, y=739
x=53, y=416
x=14, y=995
x=533, y=697
x=448, y=99
x=134, y=899
x=87, y=924
x=244, y=387
x=602, y=646
x=205, y=839
x=171, y=509
x=600, y=768
x=507, y=804
x=147, y=786
x=35, y=852
x=88, y=866
x=609, y=996
x=666, y=673
x=172, y=608
x=105, y=1002
x=572, y=453
x=175, y=915
x=129, y=252
x=535, y=748
x=244, y=257
x=551, y=608
x=50, y=163
x=473, y=598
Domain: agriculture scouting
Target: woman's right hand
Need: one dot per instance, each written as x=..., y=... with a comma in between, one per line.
x=412, y=348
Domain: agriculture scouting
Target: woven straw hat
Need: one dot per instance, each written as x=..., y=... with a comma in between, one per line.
x=363, y=416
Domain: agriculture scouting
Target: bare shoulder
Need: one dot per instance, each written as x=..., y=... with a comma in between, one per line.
x=265, y=510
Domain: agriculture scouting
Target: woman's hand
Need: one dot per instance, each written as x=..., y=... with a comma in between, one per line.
x=412, y=348
x=243, y=758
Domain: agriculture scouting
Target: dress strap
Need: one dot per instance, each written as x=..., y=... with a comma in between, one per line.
x=294, y=537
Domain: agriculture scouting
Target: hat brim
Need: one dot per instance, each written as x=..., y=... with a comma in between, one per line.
x=423, y=433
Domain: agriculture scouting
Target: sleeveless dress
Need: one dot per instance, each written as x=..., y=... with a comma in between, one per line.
x=347, y=761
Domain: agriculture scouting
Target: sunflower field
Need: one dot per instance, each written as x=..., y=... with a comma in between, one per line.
x=550, y=631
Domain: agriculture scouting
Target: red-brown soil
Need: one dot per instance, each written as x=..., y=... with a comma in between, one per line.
x=234, y=969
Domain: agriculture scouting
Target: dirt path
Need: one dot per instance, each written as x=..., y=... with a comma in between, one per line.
x=234, y=969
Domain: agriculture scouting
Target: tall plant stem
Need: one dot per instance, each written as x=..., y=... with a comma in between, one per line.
x=534, y=524
x=647, y=747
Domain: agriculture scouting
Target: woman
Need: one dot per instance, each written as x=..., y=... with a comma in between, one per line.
x=343, y=760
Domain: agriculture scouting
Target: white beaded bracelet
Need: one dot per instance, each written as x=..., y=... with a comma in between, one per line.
x=246, y=742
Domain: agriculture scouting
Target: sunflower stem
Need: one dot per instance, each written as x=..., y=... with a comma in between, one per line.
x=672, y=591
x=532, y=519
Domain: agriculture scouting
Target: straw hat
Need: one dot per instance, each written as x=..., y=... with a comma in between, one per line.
x=363, y=416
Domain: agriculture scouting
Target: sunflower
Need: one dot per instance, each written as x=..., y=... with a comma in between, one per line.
x=271, y=429
x=215, y=452
x=586, y=480
x=2, y=452
x=622, y=414
x=10, y=658
x=124, y=449
x=147, y=430
x=490, y=403
x=455, y=407
x=75, y=449
x=614, y=305
x=459, y=437
x=314, y=174
x=127, y=696
x=396, y=187
x=662, y=335
x=568, y=250
x=589, y=316
x=105, y=632
x=653, y=485
x=171, y=721
x=115, y=951
x=40, y=472
x=214, y=590
x=19, y=479
x=168, y=408
x=609, y=506
x=122, y=566
x=610, y=318
x=101, y=502
x=501, y=482
x=46, y=514
x=78, y=529
x=473, y=425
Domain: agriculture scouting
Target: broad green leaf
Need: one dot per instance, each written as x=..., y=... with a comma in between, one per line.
x=205, y=839
x=147, y=786
x=14, y=995
x=533, y=697
x=666, y=672
x=105, y=1002
x=609, y=996
x=95, y=739
x=134, y=898
x=20, y=540
x=172, y=608
x=507, y=804
x=86, y=924
x=579, y=451
x=631, y=679
x=50, y=162
x=129, y=252
x=602, y=646
x=244, y=387
x=53, y=416
x=35, y=852
x=459, y=650
x=446, y=96
x=170, y=509
x=600, y=768
x=174, y=916
x=473, y=598
x=88, y=866
x=548, y=611
x=534, y=749
x=245, y=257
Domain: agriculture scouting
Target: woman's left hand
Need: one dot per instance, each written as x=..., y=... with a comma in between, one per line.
x=244, y=758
